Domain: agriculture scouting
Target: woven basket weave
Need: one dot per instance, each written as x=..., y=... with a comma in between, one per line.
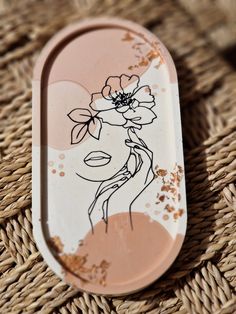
x=203, y=278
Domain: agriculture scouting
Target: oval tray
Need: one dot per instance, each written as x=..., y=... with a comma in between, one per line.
x=109, y=208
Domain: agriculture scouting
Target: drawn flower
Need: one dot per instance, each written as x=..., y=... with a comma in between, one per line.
x=128, y=106
x=85, y=122
x=122, y=102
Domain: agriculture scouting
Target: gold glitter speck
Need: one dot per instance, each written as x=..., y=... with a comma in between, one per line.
x=128, y=37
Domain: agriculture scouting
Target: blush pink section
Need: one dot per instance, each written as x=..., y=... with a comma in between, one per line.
x=102, y=23
x=62, y=97
x=88, y=59
x=94, y=56
x=136, y=257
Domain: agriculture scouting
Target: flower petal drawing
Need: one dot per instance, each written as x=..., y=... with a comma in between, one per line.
x=143, y=94
x=140, y=115
x=80, y=115
x=78, y=133
x=102, y=105
x=129, y=83
x=112, y=117
x=123, y=108
x=148, y=105
x=107, y=92
x=114, y=84
x=95, y=96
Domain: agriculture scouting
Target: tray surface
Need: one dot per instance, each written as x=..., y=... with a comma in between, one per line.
x=108, y=177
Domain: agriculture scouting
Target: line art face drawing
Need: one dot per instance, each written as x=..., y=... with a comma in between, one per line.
x=124, y=107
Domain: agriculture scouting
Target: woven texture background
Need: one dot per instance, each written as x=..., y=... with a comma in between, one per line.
x=198, y=35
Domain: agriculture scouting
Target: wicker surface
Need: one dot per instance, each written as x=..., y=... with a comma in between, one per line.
x=217, y=20
x=203, y=278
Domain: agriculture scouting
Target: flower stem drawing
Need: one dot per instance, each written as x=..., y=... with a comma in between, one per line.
x=121, y=102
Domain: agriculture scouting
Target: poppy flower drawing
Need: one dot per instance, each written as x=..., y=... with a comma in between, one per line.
x=125, y=102
x=122, y=102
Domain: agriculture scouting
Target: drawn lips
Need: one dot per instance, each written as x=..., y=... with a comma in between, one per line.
x=97, y=159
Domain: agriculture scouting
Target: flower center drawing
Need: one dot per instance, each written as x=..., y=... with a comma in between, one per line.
x=123, y=100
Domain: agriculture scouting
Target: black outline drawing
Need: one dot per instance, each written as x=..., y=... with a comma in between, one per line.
x=125, y=110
